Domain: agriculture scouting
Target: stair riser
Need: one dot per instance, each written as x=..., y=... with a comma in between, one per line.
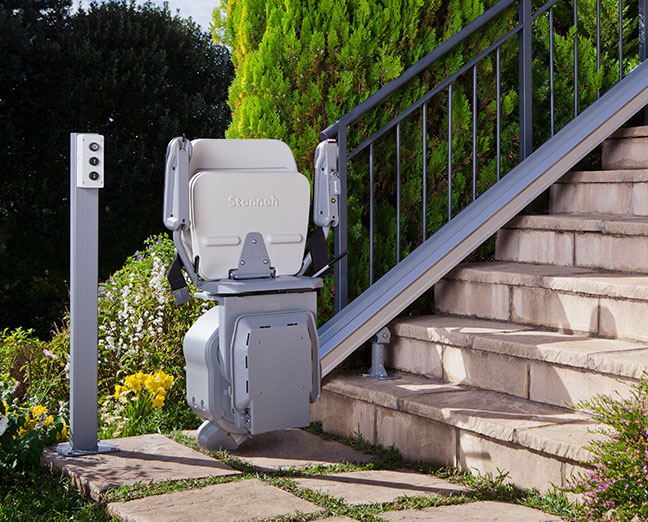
x=536, y=380
x=627, y=253
x=599, y=198
x=570, y=312
x=625, y=153
x=422, y=439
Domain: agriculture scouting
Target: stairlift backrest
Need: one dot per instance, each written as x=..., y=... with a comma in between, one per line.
x=242, y=186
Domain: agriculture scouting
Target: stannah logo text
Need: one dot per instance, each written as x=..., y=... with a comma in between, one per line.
x=235, y=201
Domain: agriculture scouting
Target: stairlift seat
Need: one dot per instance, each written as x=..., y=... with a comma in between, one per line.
x=249, y=186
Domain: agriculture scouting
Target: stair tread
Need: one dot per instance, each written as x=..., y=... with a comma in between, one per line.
x=618, y=357
x=605, y=176
x=622, y=285
x=616, y=224
x=548, y=429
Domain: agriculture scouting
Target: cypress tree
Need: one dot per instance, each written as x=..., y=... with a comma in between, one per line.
x=301, y=65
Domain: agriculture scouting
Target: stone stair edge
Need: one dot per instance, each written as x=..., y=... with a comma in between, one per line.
x=638, y=131
x=604, y=224
x=587, y=353
x=605, y=176
x=627, y=286
x=419, y=397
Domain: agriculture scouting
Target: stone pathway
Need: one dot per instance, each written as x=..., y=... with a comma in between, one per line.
x=223, y=494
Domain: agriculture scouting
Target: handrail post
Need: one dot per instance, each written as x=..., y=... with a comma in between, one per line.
x=643, y=45
x=526, y=86
x=342, y=269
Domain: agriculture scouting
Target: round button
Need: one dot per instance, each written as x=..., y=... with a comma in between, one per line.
x=94, y=175
x=94, y=161
x=94, y=146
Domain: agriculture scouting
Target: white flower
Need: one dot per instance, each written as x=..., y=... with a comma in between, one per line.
x=4, y=422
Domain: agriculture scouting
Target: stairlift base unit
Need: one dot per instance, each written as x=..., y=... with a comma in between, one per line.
x=250, y=371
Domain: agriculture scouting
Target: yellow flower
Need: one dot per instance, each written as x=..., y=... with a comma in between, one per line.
x=133, y=383
x=49, y=420
x=38, y=410
x=65, y=432
x=158, y=401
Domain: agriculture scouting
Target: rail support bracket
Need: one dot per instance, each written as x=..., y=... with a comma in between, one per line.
x=377, y=370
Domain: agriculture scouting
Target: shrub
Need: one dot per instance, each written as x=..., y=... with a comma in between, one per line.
x=38, y=368
x=140, y=330
x=617, y=488
x=25, y=429
x=154, y=75
x=300, y=66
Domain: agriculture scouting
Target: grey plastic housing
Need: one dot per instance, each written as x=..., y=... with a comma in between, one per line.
x=176, y=184
x=223, y=391
x=275, y=369
x=326, y=185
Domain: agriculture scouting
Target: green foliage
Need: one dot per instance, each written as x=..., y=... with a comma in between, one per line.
x=300, y=66
x=36, y=494
x=24, y=431
x=135, y=73
x=592, y=79
x=616, y=489
x=140, y=330
x=37, y=368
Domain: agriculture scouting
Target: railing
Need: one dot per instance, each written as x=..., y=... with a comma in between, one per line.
x=371, y=148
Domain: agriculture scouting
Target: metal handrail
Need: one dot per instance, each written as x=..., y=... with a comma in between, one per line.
x=416, y=69
x=522, y=30
x=428, y=95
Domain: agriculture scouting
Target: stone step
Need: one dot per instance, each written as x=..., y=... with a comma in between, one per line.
x=568, y=299
x=622, y=192
x=586, y=240
x=542, y=366
x=625, y=149
x=451, y=424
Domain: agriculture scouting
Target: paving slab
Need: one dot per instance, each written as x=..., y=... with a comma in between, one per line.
x=294, y=448
x=369, y=487
x=239, y=501
x=144, y=459
x=473, y=512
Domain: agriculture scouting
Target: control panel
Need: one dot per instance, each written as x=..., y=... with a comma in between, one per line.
x=90, y=160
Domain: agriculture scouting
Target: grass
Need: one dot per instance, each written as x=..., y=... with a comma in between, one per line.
x=37, y=495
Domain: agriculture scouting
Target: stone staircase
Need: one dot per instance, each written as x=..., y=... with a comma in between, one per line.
x=560, y=316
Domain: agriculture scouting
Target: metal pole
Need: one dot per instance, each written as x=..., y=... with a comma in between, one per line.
x=342, y=270
x=526, y=87
x=86, y=177
x=643, y=44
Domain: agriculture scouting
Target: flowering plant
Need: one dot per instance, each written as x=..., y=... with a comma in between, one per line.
x=616, y=489
x=25, y=430
x=139, y=324
x=124, y=413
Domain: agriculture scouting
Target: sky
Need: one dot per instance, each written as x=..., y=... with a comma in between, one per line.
x=199, y=10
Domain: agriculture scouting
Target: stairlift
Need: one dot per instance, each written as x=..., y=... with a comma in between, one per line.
x=238, y=210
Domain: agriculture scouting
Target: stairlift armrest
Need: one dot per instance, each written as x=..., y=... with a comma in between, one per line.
x=326, y=185
x=176, y=184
